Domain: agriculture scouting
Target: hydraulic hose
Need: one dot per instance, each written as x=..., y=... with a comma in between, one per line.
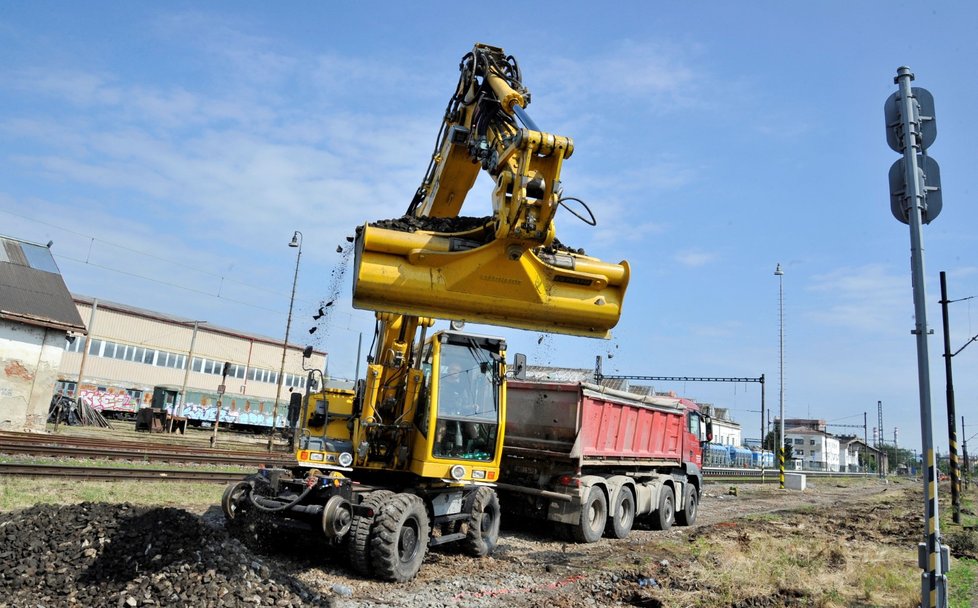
x=298, y=499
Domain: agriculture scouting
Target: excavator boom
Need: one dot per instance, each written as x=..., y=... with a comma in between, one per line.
x=508, y=270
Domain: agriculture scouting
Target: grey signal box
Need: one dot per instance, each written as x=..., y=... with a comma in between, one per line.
x=904, y=186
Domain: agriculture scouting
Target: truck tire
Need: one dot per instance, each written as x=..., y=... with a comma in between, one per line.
x=663, y=517
x=594, y=515
x=687, y=516
x=358, y=538
x=483, y=523
x=400, y=536
x=622, y=514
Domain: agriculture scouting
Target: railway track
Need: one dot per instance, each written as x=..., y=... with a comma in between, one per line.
x=740, y=475
x=32, y=444
x=115, y=473
x=55, y=446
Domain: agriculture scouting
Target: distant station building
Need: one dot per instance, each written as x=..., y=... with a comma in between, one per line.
x=726, y=431
x=36, y=315
x=131, y=354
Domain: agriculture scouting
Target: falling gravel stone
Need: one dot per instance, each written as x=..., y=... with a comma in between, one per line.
x=342, y=590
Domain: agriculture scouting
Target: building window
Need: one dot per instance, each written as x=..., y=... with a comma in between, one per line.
x=75, y=346
x=799, y=441
x=95, y=348
x=811, y=442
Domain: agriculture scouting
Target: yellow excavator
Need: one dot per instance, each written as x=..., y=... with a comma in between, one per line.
x=409, y=458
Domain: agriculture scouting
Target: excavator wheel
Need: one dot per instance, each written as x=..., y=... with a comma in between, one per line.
x=232, y=499
x=483, y=524
x=358, y=546
x=400, y=536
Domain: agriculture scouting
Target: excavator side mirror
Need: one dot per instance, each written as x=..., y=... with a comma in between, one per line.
x=307, y=352
x=519, y=366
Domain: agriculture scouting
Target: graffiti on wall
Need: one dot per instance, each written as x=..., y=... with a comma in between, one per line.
x=108, y=400
x=198, y=406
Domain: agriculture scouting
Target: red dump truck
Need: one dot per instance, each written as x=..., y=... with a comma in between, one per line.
x=592, y=460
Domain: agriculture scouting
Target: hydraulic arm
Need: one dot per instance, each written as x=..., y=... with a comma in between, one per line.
x=507, y=269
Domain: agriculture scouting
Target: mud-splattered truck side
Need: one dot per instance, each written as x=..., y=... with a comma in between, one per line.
x=592, y=460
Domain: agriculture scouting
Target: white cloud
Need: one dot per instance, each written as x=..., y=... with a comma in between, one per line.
x=661, y=74
x=694, y=258
x=865, y=298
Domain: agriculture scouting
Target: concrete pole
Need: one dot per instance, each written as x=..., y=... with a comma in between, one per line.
x=186, y=376
x=933, y=577
x=88, y=344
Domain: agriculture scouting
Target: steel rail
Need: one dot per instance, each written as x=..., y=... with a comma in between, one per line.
x=116, y=474
x=151, y=455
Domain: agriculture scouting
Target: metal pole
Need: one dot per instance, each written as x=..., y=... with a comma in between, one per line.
x=220, y=398
x=780, y=274
x=762, y=423
x=933, y=579
x=952, y=433
x=881, y=445
x=967, y=463
x=296, y=242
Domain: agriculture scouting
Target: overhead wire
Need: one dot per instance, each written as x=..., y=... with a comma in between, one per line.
x=223, y=278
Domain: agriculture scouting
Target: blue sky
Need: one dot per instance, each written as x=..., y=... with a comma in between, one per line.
x=171, y=149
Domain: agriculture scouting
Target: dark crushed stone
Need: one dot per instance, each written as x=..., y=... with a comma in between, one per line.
x=96, y=554
x=410, y=223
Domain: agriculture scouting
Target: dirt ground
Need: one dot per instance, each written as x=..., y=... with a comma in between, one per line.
x=652, y=568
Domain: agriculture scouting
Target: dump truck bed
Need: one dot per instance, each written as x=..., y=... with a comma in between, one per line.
x=592, y=424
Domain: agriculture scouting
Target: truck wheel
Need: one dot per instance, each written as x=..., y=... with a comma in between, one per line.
x=483, y=523
x=358, y=547
x=663, y=517
x=400, y=538
x=687, y=516
x=622, y=514
x=594, y=514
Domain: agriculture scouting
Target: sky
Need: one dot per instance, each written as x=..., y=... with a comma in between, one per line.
x=170, y=151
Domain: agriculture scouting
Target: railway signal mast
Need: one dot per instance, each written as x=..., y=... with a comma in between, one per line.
x=915, y=198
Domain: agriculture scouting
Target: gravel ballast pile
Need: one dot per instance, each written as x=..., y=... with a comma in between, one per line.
x=95, y=554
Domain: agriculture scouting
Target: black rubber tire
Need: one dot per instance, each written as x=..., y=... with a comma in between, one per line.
x=622, y=515
x=665, y=515
x=358, y=538
x=400, y=536
x=594, y=516
x=482, y=532
x=687, y=516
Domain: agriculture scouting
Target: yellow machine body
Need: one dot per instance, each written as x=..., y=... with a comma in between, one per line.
x=407, y=432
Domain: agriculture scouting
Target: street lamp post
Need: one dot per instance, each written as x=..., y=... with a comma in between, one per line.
x=296, y=242
x=780, y=274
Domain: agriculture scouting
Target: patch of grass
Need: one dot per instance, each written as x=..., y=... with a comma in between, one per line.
x=962, y=583
x=19, y=493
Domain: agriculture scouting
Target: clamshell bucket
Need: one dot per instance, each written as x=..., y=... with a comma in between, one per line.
x=448, y=276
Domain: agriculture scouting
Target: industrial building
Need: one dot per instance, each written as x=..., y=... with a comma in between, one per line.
x=130, y=353
x=36, y=313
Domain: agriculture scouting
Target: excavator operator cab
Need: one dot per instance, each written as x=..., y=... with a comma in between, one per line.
x=460, y=415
